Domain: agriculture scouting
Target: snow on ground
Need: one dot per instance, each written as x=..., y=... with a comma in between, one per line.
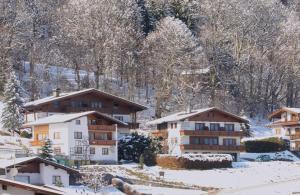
x=285, y=154
x=250, y=173
x=83, y=190
x=243, y=174
x=165, y=191
x=281, y=188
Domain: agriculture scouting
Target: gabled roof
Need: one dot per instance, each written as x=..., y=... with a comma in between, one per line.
x=30, y=187
x=63, y=96
x=61, y=118
x=19, y=161
x=284, y=109
x=184, y=115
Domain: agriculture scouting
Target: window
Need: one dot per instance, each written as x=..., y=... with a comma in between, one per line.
x=120, y=118
x=42, y=136
x=92, y=150
x=56, y=104
x=96, y=104
x=56, y=179
x=78, y=150
x=77, y=122
x=211, y=141
x=229, y=127
x=115, y=105
x=175, y=125
x=4, y=187
x=57, y=150
x=104, y=151
x=199, y=126
x=93, y=122
x=214, y=126
x=77, y=135
x=171, y=125
x=101, y=136
x=76, y=104
x=56, y=135
x=229, y=142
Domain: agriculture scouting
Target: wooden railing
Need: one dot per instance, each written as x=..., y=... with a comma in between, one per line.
x=211, y=147
x=102, y=127
x=293, y=137
x=160, y=133
x=103, y=142
x=211, y=133
x=37, y=143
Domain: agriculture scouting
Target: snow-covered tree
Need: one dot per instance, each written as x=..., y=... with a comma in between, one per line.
x=12, y=116
x=47, y=151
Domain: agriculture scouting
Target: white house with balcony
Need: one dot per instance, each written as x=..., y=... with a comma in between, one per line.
x=208, y=130
x=90, y=136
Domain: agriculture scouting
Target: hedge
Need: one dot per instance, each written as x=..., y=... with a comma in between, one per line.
x=186, y=162
x=265, y=145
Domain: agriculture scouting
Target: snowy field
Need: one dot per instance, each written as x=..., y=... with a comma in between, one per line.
x=275, y=177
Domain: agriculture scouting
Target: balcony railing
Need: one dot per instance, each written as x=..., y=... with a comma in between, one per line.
x=293, y=137
x=160, y=133
x=37, y=143
x=102, y=127
x=211, y=147
x=211, y=133
x=103, y=142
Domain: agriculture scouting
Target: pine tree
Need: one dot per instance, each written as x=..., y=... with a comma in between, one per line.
x=12, y=116
x=47, y=152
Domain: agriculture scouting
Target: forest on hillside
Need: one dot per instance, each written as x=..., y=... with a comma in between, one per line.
x=239, y=55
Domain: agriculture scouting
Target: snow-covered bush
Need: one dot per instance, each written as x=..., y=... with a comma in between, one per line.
x=133, y=146
x=195, y=161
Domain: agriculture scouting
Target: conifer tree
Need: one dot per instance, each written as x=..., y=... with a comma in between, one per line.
x=47, y=152
x=12, y=116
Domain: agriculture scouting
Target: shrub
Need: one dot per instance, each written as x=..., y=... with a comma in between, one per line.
x=195, y=161
x=26, y=134
x=265, y=145
x=133, y=146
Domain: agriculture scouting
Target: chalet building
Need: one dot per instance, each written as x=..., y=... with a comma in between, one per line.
x=81, y=101
x=87, y=135
x=37, y=171
x=286, y=124
x=208, y=130
x=11, y=187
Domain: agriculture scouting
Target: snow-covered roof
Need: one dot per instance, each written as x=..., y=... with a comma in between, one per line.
x=61, y=118
x=184, y=115
x=67, y=95
x=30, y=187
x=9, y=162
x=277, y=113
x=5, y=163
x=296, y=110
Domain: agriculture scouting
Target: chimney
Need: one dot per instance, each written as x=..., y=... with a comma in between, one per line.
x=56, y=92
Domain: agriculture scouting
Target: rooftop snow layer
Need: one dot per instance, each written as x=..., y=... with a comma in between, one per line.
x=64, y=95
x=61, y=118
x=183, y=115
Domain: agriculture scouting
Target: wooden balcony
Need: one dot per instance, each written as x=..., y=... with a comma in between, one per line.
x=106, y=128
x=160, y=133
x=211, y=147
x=103, y=142
x=293, y=137
x=211, y=133
x=37, y=143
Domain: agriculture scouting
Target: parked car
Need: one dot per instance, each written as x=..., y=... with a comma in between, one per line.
x=263, y=158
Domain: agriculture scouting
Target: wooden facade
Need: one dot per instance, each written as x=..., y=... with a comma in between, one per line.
x=40, y=133
x=216, y=115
